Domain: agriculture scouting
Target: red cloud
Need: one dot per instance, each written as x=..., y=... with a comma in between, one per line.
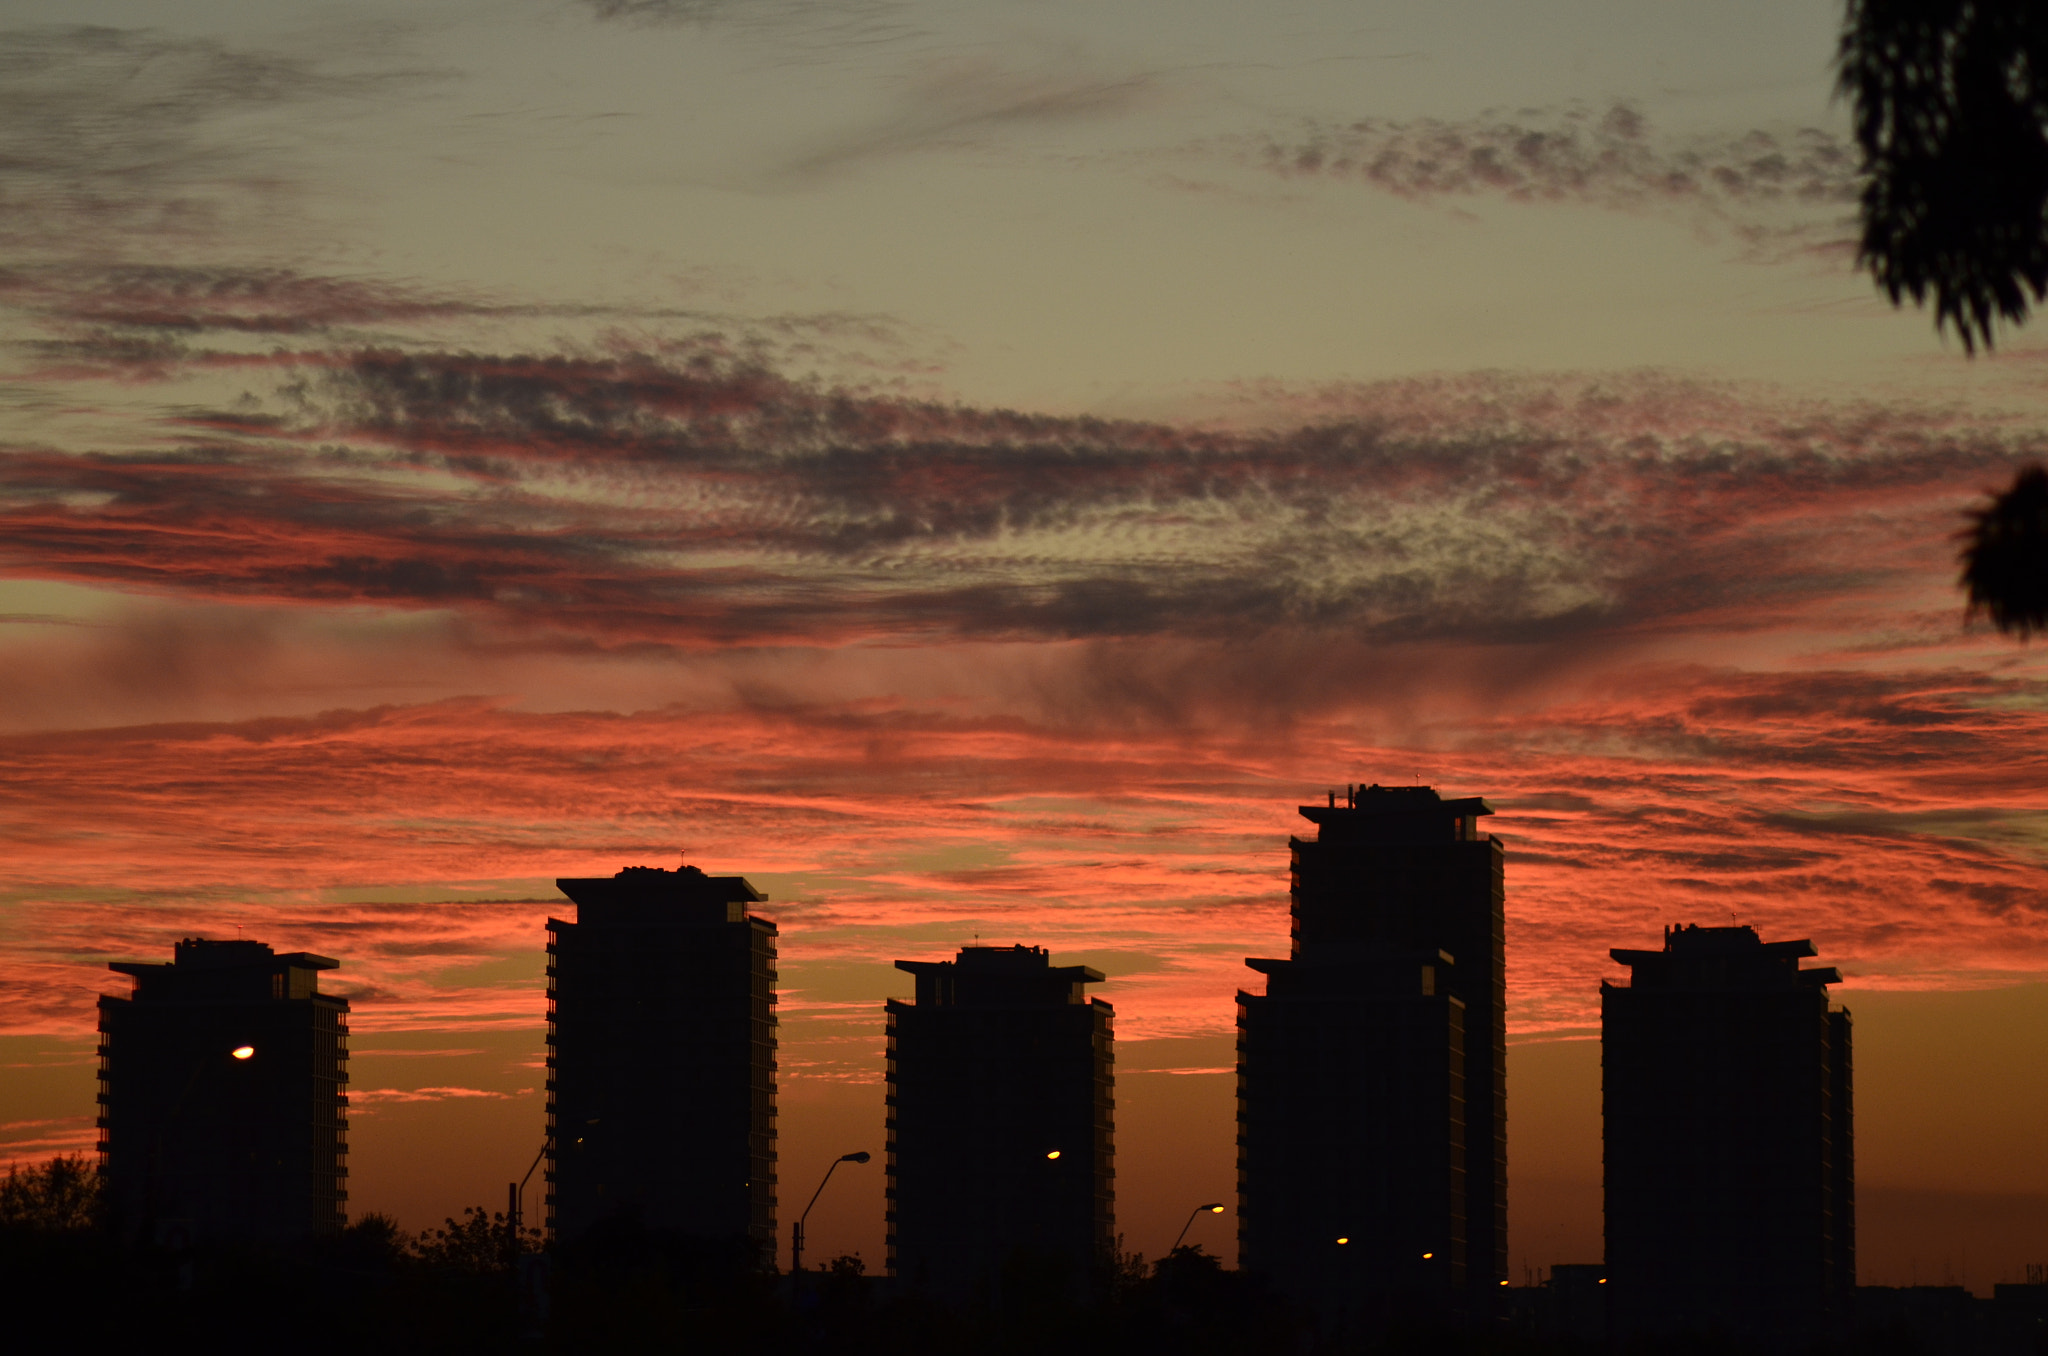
x=1892, y=817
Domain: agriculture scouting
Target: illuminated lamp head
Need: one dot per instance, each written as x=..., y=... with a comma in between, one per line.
x=1342, y=1241
x=243, y=1052
x=1054, y=1154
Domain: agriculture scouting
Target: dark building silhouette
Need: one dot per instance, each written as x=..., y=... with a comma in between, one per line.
x=1000, y=1123
x=661, y=1058
x=223, y=1109
x=1730, y=1144
x=1371, y=1073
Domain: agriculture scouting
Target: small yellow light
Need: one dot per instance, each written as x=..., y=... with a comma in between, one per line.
x=1054, y=1154
x=1603, y=1280
x=1426, y=1256
x=1342, y=1241
x=243, y=1051
x=1503, y=1282
x=1215, y=1209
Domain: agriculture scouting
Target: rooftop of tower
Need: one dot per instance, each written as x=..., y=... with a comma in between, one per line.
x=999, y=976
x=1736, y=957
x=642, y=895
x=204, y=968
x=1397, y=813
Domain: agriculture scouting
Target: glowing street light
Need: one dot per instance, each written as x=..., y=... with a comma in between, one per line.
x=1054, y=1154
x=1213, y=1207
x=243, y=1051
x=1342, y=1241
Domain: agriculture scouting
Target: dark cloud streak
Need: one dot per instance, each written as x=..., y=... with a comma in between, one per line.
x=1781, y=192
x=700, y=495
x=114, y=141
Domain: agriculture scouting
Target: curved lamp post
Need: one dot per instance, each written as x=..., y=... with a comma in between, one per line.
x=516, y=1197
x=1213, y=1207
x=796, y=1235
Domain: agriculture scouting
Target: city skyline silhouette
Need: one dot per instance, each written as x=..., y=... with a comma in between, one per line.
x=1727, y=1108
x=535, y=1210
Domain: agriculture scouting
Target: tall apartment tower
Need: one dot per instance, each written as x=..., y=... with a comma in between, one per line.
x=1372, y=1088
x=1000, y=1122
x=661, y=1059
x=223, y=1103
x=1731, y=1197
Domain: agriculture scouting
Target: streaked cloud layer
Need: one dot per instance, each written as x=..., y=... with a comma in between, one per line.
x=1696, y=639
x=692, y=493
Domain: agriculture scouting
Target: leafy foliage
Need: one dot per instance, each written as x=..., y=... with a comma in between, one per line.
x=63, y=1195
x=479, y=1244
x=2005, y=556
x=1951, y=112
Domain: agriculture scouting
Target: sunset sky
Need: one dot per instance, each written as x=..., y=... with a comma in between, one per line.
x=973, y=469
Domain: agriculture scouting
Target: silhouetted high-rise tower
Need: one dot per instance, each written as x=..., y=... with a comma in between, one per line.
x=1001, y=1138
x=661, y=1060
x=223, y=1110
x=1730, y=1144
x=1372, y=1073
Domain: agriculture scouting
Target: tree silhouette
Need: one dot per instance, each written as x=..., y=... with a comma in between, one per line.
x=2005, y=556
x=63, y=1195
x=1951, y=113
x=479, y=1244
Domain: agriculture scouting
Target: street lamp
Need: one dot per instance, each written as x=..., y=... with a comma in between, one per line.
x=1213, y=1207
x=796, y=1236
x=517, y=1195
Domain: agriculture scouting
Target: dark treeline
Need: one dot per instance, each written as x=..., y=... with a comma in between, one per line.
x=66, y=1279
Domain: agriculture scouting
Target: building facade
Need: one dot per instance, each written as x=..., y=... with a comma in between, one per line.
x=1372, y=1088
x=661, y=1059
x=223, y=1097
x=1001, y=1124
x=1730, y=1140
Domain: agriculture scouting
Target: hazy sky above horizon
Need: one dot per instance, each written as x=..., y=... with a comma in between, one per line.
x=974, y=469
